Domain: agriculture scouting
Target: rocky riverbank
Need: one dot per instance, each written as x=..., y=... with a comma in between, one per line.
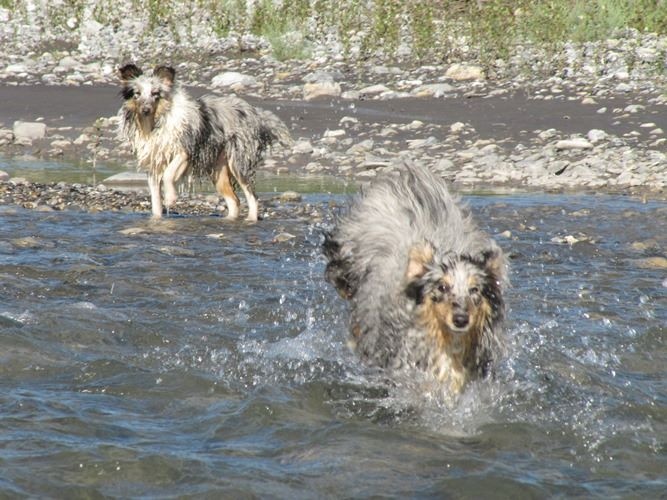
x=65, y=196
x=588, y=117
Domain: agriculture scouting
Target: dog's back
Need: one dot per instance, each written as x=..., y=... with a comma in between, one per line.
x=374, y=250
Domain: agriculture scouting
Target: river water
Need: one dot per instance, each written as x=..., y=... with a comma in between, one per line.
x=194, y=357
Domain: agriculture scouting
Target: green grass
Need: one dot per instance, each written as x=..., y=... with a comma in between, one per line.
x=491, y=28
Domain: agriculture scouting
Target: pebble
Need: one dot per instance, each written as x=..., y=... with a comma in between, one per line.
x=577, y=143
x=175, y=251
x=132, y=231
x=283, y=237
x=290, y=197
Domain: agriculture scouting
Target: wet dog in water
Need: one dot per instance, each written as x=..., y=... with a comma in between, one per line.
x=173, y=134
x=425, y=285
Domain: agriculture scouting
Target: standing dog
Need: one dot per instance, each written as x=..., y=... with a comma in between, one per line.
x=425, y=285
x=172, y=134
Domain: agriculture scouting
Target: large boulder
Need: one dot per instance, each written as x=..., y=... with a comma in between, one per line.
x=29, y=130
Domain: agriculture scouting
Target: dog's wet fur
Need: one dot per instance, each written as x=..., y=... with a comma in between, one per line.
x=222, y=138
x=425, y=285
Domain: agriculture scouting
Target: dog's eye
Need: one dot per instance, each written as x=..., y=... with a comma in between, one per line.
x=442, y=288
x=156, y=95
x=473, y=290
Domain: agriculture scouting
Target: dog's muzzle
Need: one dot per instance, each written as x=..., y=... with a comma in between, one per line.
x=460, y=320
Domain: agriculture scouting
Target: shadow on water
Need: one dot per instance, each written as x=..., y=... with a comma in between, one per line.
x=194, y=356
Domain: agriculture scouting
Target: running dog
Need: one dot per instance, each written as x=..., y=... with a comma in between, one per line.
x=425, y=285
x=173, y=134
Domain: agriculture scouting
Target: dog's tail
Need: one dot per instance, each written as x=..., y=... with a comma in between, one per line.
x=274, y=130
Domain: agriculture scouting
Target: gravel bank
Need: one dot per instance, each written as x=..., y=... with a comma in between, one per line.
x=589, y=117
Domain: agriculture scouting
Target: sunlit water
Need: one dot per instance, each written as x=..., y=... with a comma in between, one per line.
x=198, y=357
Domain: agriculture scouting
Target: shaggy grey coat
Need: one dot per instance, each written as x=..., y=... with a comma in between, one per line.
x=368, y=252
x=202, y=128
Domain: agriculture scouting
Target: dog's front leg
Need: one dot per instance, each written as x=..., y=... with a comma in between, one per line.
x=154, y=188
x=172, y=175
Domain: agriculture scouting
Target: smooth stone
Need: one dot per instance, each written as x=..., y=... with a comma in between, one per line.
x=29, y=130
x=232, y=78
x=290, y=196
x=321, y=89
x=463, y=71
x=578, y=143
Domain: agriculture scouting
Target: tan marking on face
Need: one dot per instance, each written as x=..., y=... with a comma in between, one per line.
x=456, y=298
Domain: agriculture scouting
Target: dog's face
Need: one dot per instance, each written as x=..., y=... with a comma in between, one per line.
x=455, y=295
x=146, y=97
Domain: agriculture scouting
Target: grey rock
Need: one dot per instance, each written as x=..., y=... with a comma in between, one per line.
x=302, y=147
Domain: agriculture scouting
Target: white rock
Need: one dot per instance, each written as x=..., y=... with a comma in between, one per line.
x=596, y=135
x=463, y=71
x=413, y=125
x=350, y=95
x=126, y=178
x=29, y=130
x=443, y=165
x=321, y=89
x=457, y=127
x=321, y=76
x=82, y=139
x=334, y=133
x=233, y=78
x=374, y=90
x=433, y=90
x=361, y=147
x=68, y=63
x=646, y=54
x=61, y=143
x=302, y=147
x=4, y=176
x=634, y=108
x=16, y=68
x=576, y=143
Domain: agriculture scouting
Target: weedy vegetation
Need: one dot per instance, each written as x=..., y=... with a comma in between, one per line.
x=418, y=30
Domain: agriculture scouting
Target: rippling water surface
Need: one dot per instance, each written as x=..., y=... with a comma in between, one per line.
x=198, y=357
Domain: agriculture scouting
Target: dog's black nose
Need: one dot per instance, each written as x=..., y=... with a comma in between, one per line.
x=460, y=320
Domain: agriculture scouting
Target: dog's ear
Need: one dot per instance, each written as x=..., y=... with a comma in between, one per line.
x=128, y=72
x=419, y=257
x=495, y=264
x=165, y=73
